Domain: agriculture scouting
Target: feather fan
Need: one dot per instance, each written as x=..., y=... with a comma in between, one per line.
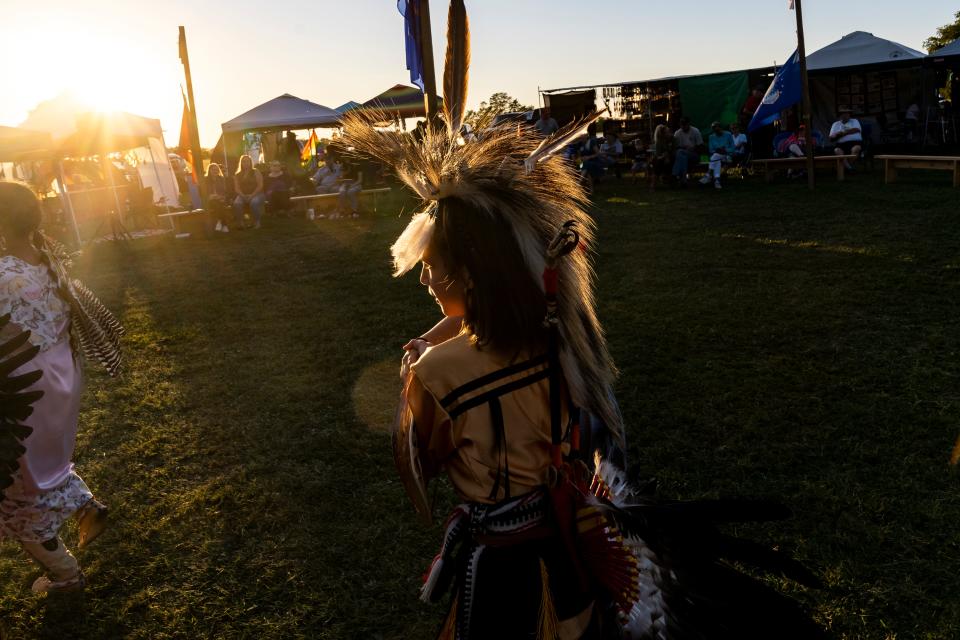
x=560, y=139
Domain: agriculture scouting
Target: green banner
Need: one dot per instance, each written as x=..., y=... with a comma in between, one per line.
x=720, y=96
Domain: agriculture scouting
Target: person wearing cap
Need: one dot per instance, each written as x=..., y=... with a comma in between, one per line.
x=846, y=134
x=721, y=146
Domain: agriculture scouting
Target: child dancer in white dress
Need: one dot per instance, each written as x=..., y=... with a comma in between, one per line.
x=62, y=318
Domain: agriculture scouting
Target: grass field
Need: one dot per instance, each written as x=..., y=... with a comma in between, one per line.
x=772, y=342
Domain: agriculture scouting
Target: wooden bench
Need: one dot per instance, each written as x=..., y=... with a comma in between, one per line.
x=176, y=219
x=943, y=163
x=321, y=197
x=771, y=165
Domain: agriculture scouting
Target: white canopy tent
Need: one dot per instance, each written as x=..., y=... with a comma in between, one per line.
x=78, y=132
x=877, y=79
x=69, y=130
x=858, y=49
x=283, y=112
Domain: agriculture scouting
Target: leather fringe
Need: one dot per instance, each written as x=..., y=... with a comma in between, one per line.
x=449, y=629
x=549, y=625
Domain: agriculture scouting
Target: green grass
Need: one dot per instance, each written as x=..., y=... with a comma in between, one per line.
x=772, y=342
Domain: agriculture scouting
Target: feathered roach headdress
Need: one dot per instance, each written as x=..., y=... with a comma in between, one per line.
x=514, y=177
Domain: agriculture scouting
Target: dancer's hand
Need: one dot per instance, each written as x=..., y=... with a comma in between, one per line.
x=414, y=349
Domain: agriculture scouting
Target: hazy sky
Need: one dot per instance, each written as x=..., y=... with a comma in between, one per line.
x=122, y=54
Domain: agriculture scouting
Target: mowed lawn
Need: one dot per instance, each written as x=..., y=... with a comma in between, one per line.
x=772, y=342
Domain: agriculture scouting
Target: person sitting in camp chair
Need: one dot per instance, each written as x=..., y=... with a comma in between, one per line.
x=721, y=147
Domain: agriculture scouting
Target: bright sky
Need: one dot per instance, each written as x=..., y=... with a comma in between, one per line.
x=122, y=54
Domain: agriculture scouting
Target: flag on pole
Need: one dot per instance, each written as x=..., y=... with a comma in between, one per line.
x=785, y=91
x=309, y=149
x=182, y=46
x=410, y=10
x=791, y=5
x=185, y=146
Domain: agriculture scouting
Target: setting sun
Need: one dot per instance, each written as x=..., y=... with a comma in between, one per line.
x=95, y=68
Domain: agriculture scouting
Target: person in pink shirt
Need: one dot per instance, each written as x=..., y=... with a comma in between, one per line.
x=46, y=489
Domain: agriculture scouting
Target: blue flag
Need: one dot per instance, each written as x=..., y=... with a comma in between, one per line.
x=785, y=91
x=410, y=10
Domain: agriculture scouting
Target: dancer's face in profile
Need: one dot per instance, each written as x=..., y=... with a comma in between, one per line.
x=446, y=290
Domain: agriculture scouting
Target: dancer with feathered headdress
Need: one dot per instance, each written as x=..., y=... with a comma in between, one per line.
x=541, y=547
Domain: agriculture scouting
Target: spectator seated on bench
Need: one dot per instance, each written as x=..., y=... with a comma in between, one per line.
x=687, y=144
x=248, y=184
x=327, y=177
x=792, y=145
x=721, y=147
x=847, y=134
x=741, y=146
x=590, y=167
x=277, y=186
x=217, y=196
x=661, y=161
x=611, y=151
x=641, y=156
x=348, y=192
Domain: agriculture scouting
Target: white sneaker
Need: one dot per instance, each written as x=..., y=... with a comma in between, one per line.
x=219, y=226
x=716, y=184
x=225, y=229
x=705, y=179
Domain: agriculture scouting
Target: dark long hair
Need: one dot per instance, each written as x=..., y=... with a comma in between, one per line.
x=505, y=306
x=19, y=208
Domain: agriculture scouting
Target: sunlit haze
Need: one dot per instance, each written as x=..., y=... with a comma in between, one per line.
x=117, y=55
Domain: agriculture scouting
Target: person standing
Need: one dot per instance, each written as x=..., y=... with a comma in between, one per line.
x=687, y=143
x=248, y=185
x=847, y=135
x=750, y=105
x=62, y=318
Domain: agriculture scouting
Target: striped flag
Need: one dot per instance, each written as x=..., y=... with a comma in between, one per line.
x=185, y=146
x=309, y=149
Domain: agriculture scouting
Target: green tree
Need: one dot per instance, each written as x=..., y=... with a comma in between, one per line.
x=498, y=103
x=945, y=35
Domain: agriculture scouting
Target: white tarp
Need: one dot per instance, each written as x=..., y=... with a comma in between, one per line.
x=857, y=49
x=283, y=112
x=153, y=166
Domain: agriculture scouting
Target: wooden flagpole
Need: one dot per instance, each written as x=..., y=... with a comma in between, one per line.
x=805, y=88
x=426, y=55
x=194, y=130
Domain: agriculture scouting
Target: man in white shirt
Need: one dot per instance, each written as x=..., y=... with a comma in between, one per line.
x=687, y=141
x=846, y=134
